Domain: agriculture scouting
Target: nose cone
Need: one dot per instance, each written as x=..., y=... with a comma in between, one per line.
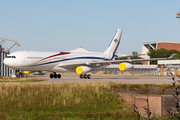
x=6, y=62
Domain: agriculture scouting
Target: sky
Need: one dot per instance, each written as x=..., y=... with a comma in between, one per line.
x=64, y=25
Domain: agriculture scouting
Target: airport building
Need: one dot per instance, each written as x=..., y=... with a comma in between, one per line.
x=157, y=45
x=4, y=51
x=4, y=70
x=164, y=66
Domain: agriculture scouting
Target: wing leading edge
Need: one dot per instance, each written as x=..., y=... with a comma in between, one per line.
x=91, y=64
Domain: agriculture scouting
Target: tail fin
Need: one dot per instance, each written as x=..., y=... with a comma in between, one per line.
x=113, y=47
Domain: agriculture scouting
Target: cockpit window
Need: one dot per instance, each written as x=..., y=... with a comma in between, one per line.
x=11, y=57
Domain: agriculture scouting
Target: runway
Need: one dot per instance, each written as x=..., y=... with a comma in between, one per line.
x=116, y=79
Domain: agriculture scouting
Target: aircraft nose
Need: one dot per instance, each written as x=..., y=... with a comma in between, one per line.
x=6, y=62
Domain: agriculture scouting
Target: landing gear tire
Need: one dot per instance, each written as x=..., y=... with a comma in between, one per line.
x=19, y=74
x=59, y=75
x=89, y=76
x=51, y=75
x=85, y=76
x=55, y=75
x=81, y=76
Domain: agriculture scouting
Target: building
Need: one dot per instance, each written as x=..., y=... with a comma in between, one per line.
x=157, y=45
x=4, y=51
x=4, y=70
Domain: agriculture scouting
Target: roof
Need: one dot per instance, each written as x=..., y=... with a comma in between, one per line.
x=4, y=51
x=79, y=50
x=161, y=42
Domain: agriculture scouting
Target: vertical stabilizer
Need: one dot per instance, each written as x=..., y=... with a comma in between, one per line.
x=113, y=47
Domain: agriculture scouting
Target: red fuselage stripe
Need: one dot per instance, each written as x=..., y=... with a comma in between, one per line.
x=61, y=53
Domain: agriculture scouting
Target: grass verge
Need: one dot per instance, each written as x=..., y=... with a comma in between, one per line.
x=61, y=101
x=77, y=101
x=9, y=79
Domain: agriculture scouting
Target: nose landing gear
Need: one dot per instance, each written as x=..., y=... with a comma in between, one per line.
x=55, y=75
x=85, y=76
x=19, y=73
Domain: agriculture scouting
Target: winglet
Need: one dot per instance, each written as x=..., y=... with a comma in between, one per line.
x=172, y=56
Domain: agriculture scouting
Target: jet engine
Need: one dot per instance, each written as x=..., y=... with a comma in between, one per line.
x=82, y=69
x=123, y=66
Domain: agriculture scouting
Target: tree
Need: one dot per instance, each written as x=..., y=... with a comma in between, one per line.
x=135, y=53
x=135, y=57
x=162, y=53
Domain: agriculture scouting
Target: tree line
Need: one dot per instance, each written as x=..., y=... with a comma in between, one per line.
x=157, y=53
x=163, y=53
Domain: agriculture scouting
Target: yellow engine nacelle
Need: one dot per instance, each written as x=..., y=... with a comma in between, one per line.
x=123, y=66
x=82, y=69
x=26, y=72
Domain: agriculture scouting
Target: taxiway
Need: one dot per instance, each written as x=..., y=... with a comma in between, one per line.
x=116, y=79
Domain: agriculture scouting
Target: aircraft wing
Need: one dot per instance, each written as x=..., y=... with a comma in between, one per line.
x=119, y=56
x=91, y=64
x=133, y=60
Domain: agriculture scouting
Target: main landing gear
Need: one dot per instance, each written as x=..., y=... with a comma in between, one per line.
x=19, y=73
x=55, y=75
x=85, y=76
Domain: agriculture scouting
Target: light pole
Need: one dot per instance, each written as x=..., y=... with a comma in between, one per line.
x=178, y=14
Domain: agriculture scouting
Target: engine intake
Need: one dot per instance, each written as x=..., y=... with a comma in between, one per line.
x=124, y=66
x=82, y=69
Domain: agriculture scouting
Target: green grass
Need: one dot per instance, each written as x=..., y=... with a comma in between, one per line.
x=61, y=101
x=66, y=101
x=16, y=79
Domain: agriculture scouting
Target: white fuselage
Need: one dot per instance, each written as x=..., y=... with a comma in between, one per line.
x=52, y=61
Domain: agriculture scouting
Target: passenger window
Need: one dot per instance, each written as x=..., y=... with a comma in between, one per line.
x=11, y=57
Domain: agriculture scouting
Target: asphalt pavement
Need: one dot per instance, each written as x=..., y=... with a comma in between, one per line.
x=116, y=79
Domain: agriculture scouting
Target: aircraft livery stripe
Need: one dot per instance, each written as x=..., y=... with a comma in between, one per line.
x=115, y=50
x=71, y=59
x=61, y=53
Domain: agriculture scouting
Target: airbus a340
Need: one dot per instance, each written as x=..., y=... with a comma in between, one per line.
x=80, y=61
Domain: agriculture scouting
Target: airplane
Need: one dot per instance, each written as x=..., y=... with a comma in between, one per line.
x=80, y=61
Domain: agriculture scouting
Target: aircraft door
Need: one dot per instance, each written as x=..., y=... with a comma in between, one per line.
x=23, y=57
